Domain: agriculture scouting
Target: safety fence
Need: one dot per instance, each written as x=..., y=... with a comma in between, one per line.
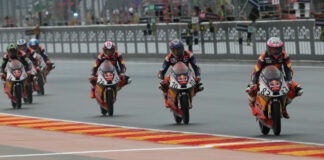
x=302, y=39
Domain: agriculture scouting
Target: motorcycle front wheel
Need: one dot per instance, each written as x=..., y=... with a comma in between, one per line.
x=18, y=94
x=184, y=101
x=276, y=118
x=110, y=101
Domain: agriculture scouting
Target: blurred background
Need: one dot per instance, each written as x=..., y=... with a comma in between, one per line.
x=22, y=13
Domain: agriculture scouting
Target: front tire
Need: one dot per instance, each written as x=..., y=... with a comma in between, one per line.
x=18, y=95
x=276, y=118
x=110, y=102
x=184, y=101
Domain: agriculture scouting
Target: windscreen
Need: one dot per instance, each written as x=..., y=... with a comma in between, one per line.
x=180, y=68
x=271, y=72
x=106, y=66
x=15, y=64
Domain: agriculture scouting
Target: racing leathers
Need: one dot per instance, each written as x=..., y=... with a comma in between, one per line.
x=117, y=60
x=171, y=60
x=283, y=64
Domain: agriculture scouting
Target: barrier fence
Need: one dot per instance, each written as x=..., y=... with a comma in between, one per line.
x=302, y=39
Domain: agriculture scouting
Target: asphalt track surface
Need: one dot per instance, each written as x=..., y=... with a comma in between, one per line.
x=221, y=109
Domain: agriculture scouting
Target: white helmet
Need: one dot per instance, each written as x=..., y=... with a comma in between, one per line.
x=274, y=46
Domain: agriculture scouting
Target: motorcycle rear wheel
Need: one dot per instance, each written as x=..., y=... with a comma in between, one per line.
x=276, y=118
x=177, y=118
x=103, y=111
x=264, y=129
x=29, y=98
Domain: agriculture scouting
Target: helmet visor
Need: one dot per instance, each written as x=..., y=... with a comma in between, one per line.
x=177, y=51
x=22, y=47
x=109, y=52
x=34, y=47
x=275, y=51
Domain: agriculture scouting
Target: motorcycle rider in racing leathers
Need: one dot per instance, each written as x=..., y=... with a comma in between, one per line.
x=178, y=54
x=14, y=53
x=22, y=45
x=34, y=45
x=109, y=53
x=276, y=56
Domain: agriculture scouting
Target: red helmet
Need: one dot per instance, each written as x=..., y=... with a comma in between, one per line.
x=109, y=48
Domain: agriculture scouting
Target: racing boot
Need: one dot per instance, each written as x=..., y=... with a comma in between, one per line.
x=3, y=76
x=92, y=95
x=128, y=80
x=200, y=87
x=285, y=114
x=299, y=90
x=167, y=105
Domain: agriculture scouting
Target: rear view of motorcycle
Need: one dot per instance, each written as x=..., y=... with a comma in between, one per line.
x=270, y=100
x=107, y=87
x=180, y=92
x=16, y=83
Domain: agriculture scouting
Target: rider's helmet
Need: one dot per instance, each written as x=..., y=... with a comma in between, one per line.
x=274, y=47
x=22, y=44
x=109, y=48
x=12, y=50
x=176, y=47
x=34, y=44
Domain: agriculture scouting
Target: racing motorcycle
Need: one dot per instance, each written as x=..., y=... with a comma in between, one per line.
x=15, y=85
x=107, y=87
x=270, y=100
x=39, y=83
x=180, y=92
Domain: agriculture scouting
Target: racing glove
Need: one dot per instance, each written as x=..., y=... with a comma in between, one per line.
x=93, y=80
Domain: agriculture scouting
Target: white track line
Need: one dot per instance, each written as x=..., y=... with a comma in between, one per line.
x=162, y=130
x=101, y=151
x=128, y=150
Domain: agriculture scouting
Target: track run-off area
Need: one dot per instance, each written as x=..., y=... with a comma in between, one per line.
x=220, y=118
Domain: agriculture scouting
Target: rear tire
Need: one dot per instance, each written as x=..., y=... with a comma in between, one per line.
x=110, y=102
x=276, y=118
x=177, y=118
x=184, y=101
x=29, y=90
x=103, y=111
x=13, y=104
x=40, y=81
x=264, y=129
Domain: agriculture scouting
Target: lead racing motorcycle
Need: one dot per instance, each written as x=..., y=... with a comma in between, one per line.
x=15, y=85
x=180, y=92
x=270, y=100
x=107, y=87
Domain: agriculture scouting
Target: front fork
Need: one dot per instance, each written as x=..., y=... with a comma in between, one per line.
x=178, y=107
x=114, y=91
x=276, y=100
